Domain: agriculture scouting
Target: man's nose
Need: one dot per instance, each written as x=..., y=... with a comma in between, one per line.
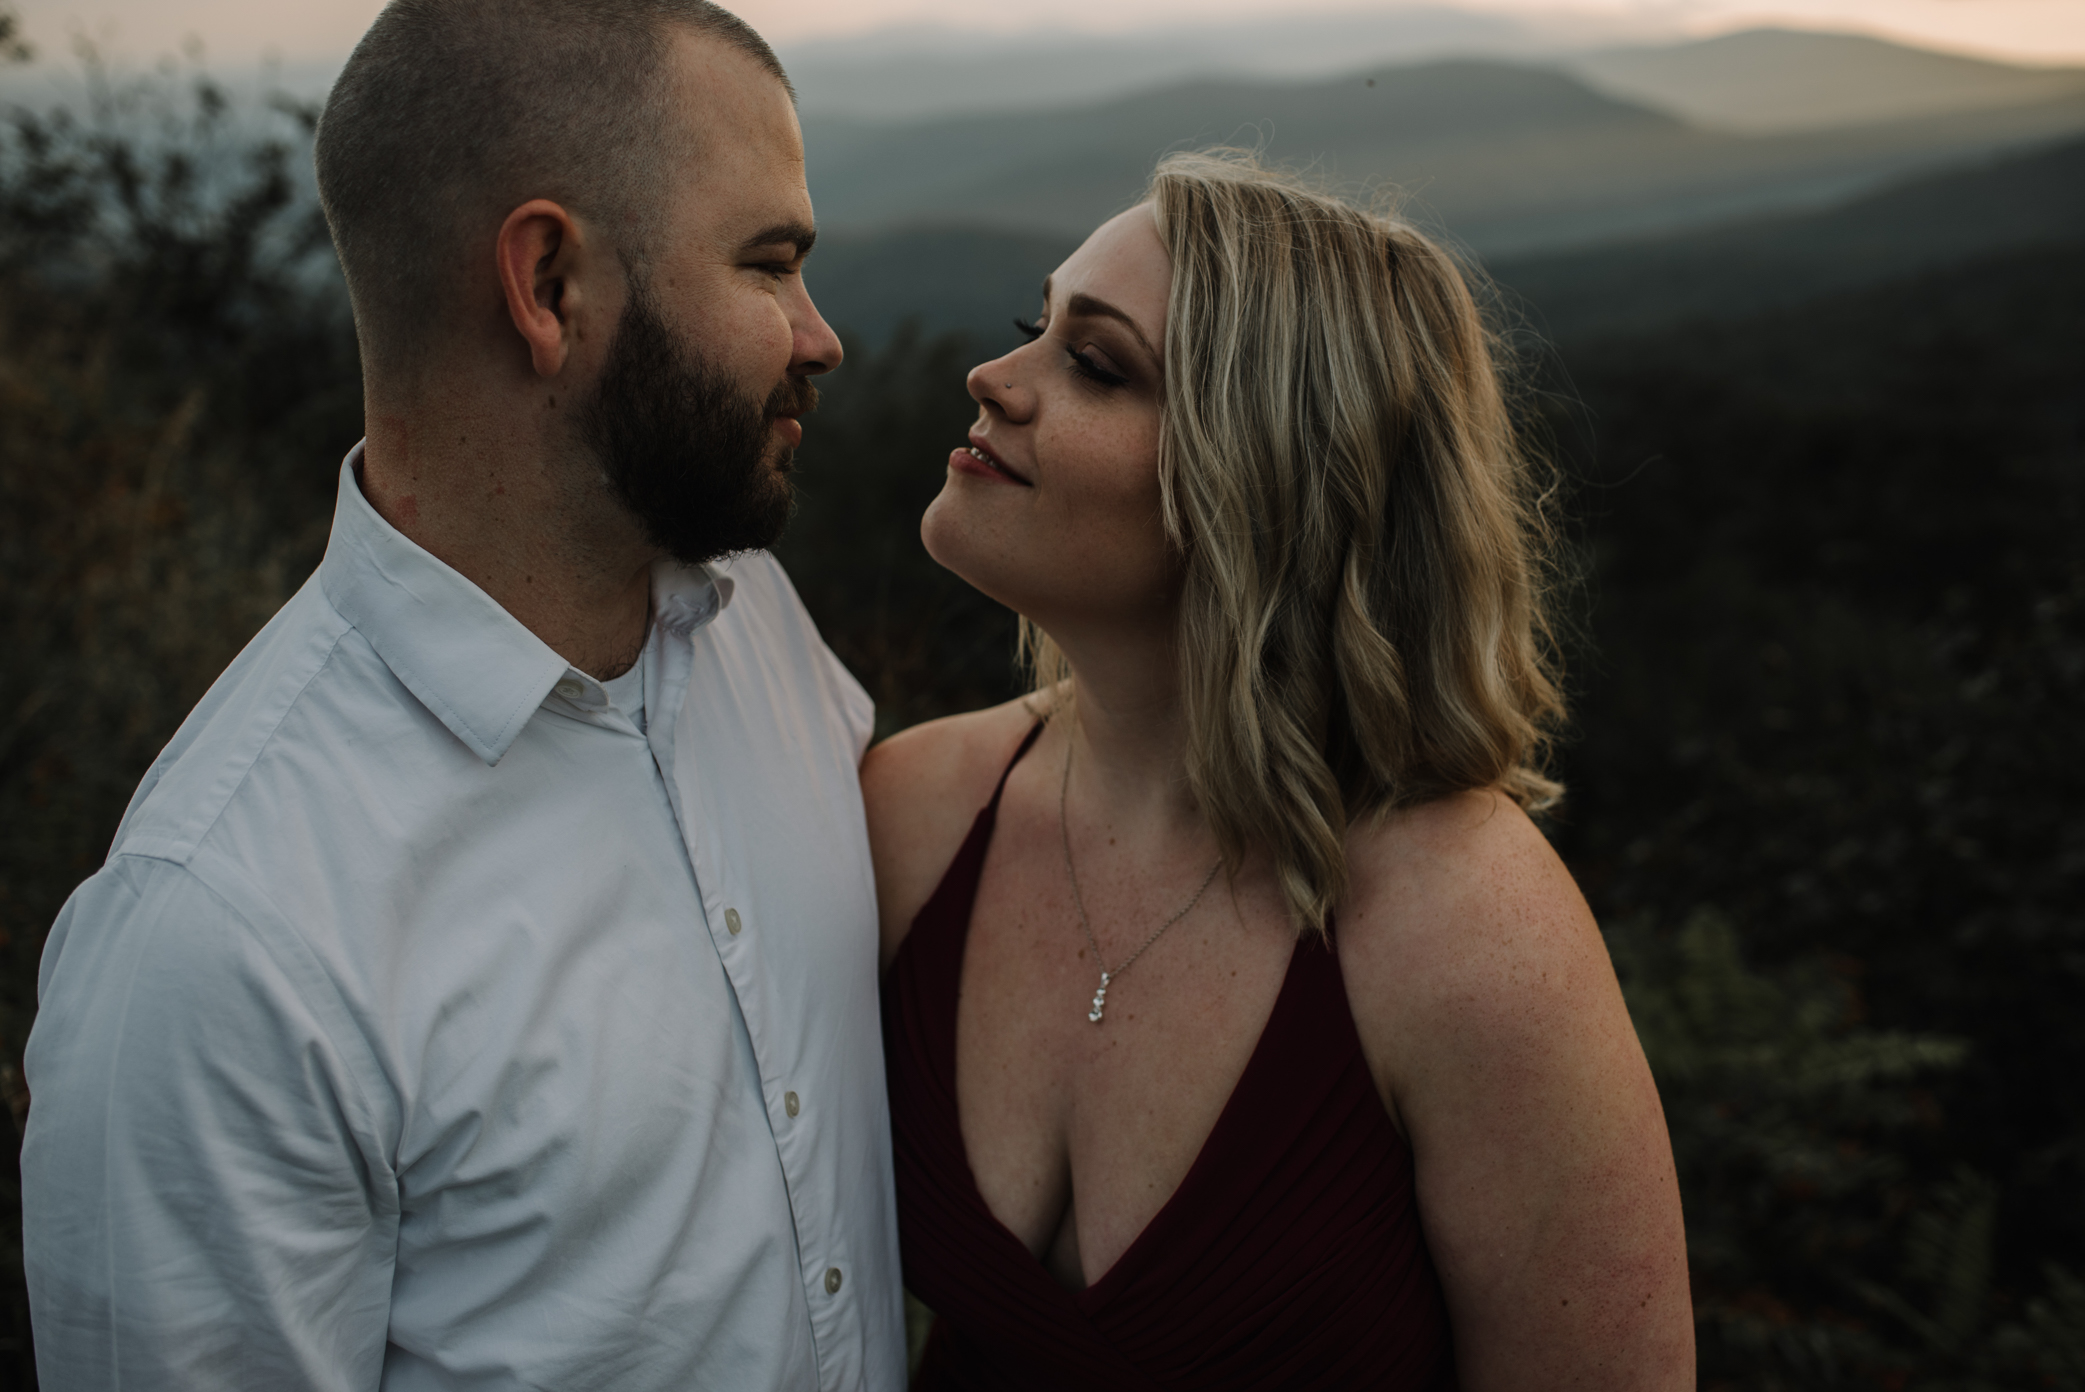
x=816, y=348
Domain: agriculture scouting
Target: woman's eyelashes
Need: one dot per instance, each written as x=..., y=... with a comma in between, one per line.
x=1082, y=362
x=1087, y=367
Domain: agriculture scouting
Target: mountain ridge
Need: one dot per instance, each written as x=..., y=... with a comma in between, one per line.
x=975, y=278
x=1769, y=80
x=1508, y=158
x=1751, y=79
x=1995, y=208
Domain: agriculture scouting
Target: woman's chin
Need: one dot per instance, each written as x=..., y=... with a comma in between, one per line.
x=960, y=546
x=947, y=534
x=935, y=526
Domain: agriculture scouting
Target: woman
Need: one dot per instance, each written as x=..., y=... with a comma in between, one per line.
x=1251, y=1036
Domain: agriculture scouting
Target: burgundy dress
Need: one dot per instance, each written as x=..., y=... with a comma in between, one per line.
x=1290, y=1257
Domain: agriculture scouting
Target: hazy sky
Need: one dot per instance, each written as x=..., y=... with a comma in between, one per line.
x=238, y=31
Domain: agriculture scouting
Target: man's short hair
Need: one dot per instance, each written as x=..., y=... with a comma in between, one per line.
x=451, y=113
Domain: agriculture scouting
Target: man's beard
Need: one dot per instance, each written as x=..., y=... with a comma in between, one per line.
x=694, y=459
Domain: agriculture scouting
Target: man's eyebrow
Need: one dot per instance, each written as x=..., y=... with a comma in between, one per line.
x=798, y=234
x=1086, y=306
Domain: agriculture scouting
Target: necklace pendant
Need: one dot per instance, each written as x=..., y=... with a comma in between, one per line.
x=1100, y=1000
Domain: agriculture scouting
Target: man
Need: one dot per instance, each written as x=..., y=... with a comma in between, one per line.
x=481, y=989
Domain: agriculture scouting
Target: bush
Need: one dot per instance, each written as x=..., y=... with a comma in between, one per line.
x=1818, y=1258
x=1838, y=647
x=177, y=372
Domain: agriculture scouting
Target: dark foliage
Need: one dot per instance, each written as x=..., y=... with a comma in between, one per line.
x=176, y=372
x=950, y=279
x=923, y=642
x=1828, y=705
x=1839, y=655
x=2014, y=203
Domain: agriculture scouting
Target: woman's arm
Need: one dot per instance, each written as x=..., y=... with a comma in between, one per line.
x=1491, y=1018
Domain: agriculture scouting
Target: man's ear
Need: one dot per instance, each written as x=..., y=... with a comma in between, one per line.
x=539, y=250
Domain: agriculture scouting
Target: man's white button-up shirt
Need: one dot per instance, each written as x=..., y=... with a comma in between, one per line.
x=432, y=1025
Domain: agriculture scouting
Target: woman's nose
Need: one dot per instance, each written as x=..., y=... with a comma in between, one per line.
x=997, y=382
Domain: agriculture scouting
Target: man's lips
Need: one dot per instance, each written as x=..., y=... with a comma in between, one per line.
x=791, y=429
x=977, y=459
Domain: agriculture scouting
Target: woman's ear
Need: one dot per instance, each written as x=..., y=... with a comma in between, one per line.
x=538, y=251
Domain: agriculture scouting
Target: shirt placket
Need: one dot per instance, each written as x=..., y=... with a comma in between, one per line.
x=796, y=1114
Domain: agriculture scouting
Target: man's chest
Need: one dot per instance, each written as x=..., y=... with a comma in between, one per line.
x=588, y=1096
x=552, y=1002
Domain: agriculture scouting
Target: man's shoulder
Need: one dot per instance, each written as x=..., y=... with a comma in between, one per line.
x=762, y=595
x=304, y=674
x=187, y=903
x=777, y=632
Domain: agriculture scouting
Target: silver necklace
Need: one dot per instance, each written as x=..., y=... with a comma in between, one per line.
x=1100, y=997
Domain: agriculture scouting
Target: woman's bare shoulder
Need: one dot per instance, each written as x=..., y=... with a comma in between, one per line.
x=1491, y=1020
x=923, y=788
x=1462, y=928
x=1450, y=882
x=941, y=756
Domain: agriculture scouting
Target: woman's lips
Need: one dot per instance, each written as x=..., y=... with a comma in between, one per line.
x=976, y=460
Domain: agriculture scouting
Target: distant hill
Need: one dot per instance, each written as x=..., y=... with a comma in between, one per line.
x=907, y=74
x=1067, y=171
x=1757, y=80
x=975, y=279
x=970, y=279
x=1784, y=80
x=2003, y=206
x=1508, y=159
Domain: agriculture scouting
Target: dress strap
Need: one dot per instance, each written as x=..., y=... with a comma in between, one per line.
x=1027, y=743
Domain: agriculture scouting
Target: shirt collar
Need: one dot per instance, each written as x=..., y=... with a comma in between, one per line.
x=469, y=661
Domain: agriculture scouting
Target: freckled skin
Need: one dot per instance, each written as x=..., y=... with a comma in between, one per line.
x=1486, y=1006
x=1088, y=540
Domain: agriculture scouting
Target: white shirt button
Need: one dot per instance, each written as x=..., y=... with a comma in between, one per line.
x=731, y=921
x=570, y=690
x=789, y=1103
x=832, y=1280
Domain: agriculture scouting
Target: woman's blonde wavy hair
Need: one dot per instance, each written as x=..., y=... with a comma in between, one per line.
x=1363, y=624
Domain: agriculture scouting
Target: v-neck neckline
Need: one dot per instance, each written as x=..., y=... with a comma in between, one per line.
x=1095, y=1293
